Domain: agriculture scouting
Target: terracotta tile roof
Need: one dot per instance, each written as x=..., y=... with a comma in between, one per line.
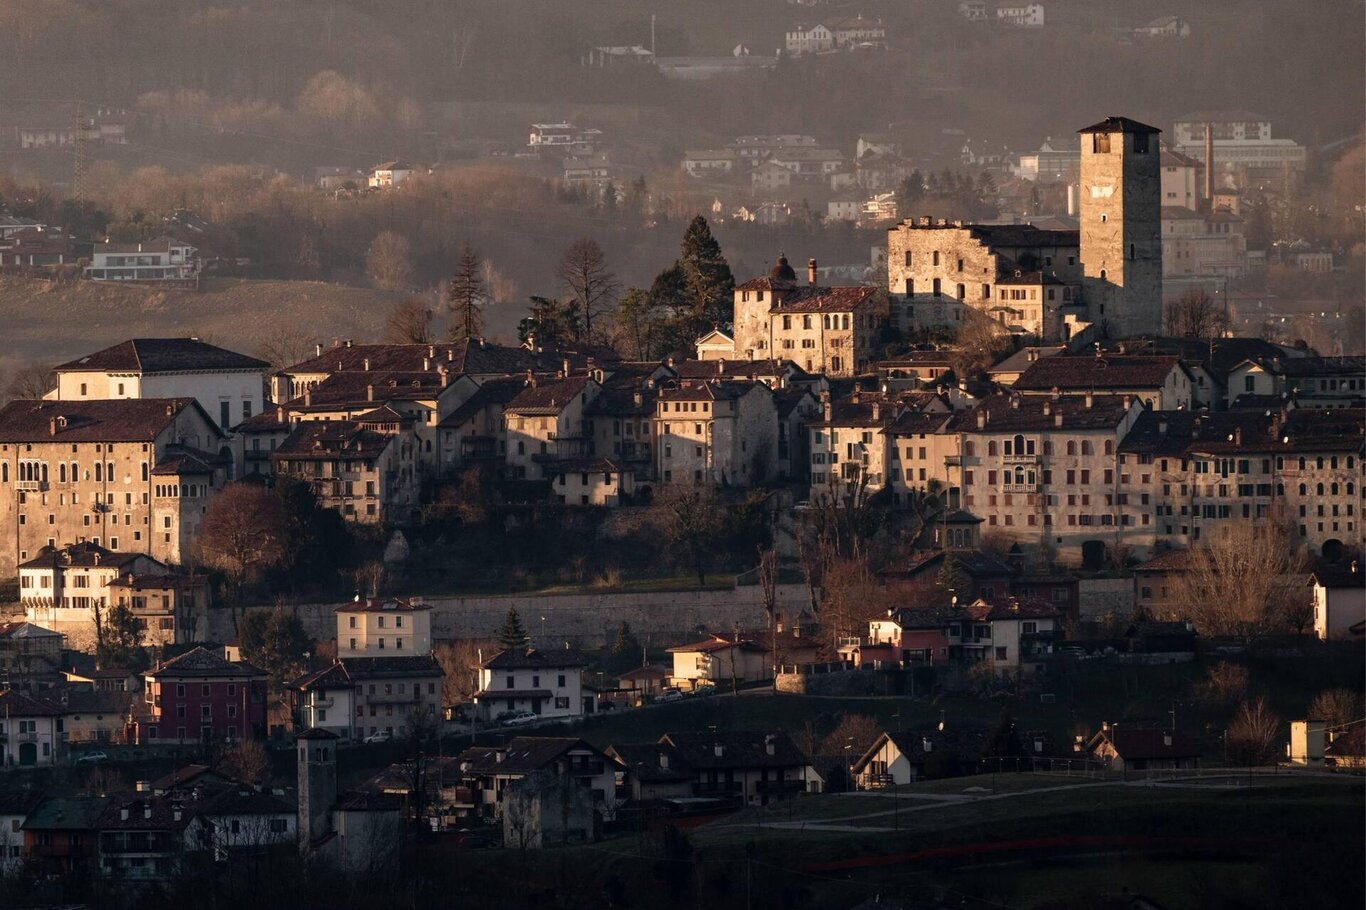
x=721, y=390
x=624, y=402
x=21, y=629
x=67, y=813
x=547, y=397
x=737, y=748
x=149, y=356
x=420, y=666
x=523, y=754
x=591, y=464
x=183, y=459
x=473, y=357
x=1119, y=125
x=370, y=386
x=1108, y=371
x=96, y=420
x=807, y=299
x=329, y=677
x=709, y=645
x=646, y=762
x=1175, y=433
x=533, y=659
x=329, y=439
x=14, y=703
x=496, y=392
x=1015, y=413
x=1349, y=744
x=1014, y=608
x=962, y=744
x=736, y=369
x=789, y=399
x=1170, y=561
x=1338, y=576
x=1146, y=745
x=202, y=662
x=145, y=812
x=383, y=605
x=81, y=555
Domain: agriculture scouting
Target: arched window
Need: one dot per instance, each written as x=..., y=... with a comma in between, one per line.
x=99, y=472
x=1019, y=476
x=1071, y=447
x=991, y=447
x=962, y=292
x=1019, y=445
x=1319, y=462
x=1301, y=462
x=1333, y=463
x=1319, y=491
x=1304, y=490
x=1333, y=489
x=1351, y=489
x=61, y=473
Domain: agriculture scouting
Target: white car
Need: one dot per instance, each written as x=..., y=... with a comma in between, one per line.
x=380, y=736
x=520, y=718
x=92, y=758
x=669, y=695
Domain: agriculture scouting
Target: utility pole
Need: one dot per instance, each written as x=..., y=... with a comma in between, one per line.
x=78, y=153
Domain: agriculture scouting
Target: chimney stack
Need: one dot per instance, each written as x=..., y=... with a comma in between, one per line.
x=318, y=349
x=811, y=272
x=1209, y=167
x=369, y=393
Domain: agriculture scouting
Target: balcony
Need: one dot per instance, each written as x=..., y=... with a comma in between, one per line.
x=31, y=486
x=1020, y=487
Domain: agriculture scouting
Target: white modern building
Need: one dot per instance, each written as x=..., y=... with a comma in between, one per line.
x=162, y=259
x=548, y=683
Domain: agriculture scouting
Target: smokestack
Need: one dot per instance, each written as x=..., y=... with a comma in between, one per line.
x=811, y=272
x=1209, y=167
x=1072, y=200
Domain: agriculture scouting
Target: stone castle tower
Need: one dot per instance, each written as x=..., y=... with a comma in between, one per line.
x=1121, y=226
x=317, y=751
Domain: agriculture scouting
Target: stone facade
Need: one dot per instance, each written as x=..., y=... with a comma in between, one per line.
x=1121, y=226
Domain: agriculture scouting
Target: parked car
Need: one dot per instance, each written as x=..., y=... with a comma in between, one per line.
x=520, y=718
x=379, y=736
x=466, y=839
x=669, y=695
x=91, y=758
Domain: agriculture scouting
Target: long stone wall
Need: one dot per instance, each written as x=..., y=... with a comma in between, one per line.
x=658, y=618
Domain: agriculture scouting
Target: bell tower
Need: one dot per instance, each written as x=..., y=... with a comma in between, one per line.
x=1121, y=226
x=317, y=752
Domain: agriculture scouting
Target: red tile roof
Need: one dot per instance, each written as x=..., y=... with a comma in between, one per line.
x=101, y=420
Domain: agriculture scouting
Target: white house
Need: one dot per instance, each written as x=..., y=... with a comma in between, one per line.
x=387, y=627
x=228, y=385
x=163, y=259
x=245, y=819
x=548, y=683
x=60, y=589
x=1339, y=601
x=31, y=730
x=15, y=808
x=389, y=174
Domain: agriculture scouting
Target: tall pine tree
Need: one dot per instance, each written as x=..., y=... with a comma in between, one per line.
x=707, y=278
x=512, y=636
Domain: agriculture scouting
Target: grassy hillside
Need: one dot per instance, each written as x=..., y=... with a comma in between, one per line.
x=48, y=324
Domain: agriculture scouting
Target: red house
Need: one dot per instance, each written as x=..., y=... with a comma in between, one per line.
x=200, y=696
x=911, y=636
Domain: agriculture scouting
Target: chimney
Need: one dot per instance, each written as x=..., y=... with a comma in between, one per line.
x=1090, y=400
x=720, y=368
x=1209, y=166
x=1047, y=407
x=318, y=349
x=1014, y=402
x=564, y=367
x=365, y=364
x=829, y=410
x=877, y=411
x=981, y=418
x=279, y=414
x=445, y=377
x=370, y=392
x=926, y=745
x=426, y=364
x=664, y=760
x=52, y=426
x=811, y=272
x=308, y=397
x=637, y=398
x=123, y=814
x=1162, y=427
x=431, y=351
x=147, y=810
x=348, y=344
x=719, y=750
x=1167, y=739
x=176, y=813
x=768, y=745
x=1057, y=419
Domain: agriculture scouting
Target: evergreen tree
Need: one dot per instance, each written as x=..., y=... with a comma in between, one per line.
x=625, y=648
x=707, y=277
x=118, y=639
x=512, y=636
x=465, y=297
x=951, y=577
x=551, y=323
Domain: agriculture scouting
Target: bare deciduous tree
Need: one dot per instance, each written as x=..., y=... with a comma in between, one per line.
x=981, y=342
x=592, y=286
x=1195, y=314
x=459, y=660
x=1251, y=738
x=286, y=348
x=241, y=533
x=1224, y=686
x=465, y=297
x=389, y=261
x=246, y=761
x=1239, y=584
x=409, y=323
x=31, y=381
x=1336, y=707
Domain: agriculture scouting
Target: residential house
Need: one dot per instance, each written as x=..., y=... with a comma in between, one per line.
x=366, y=469
x=33, y=729
x=564, y=139
x=644, y=682
x=133, y=475
x=200, y=697
x=831, y=330
x=546, y=423
x=808, y=165
x=1050, y=166
x=652, y=772
x=1124, y=748
x=246, y=819
x=15, y=808
x=160, y=260
x=1028, y=15
x=490, y=770
x=849, y=446
x=796, y=407
x=1043, y=469
x=709, y=162
x=916, y=636
x=63, y=588
x=35, y=247
x=1162, y=383
x=172, y=609
x=26, y=648
x=145, y=837
x=389, y=174
x=227, y=385
x=547, y=809
x=327, y=701
x=384, y=627
x=592, y=481
x=390, y=695
x=1164, y=27
x=61, y=834
x=717, y=432
x=1311, y=382
x=752, y=767
x=1339, y=595
x=812, y=39
x=548, y=683
x=721, y=659
x=896, y=758
x=1005, y=372
x=94, y=716
x=1346, y=749
x=474, y=434
x=715, y=345
x=1008, y=635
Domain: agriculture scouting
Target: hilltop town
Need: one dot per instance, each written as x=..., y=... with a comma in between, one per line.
x=1022, y=507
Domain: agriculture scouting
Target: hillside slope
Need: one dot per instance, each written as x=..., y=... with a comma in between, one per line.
x=40, y=323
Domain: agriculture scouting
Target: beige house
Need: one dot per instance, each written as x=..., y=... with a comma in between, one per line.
x=715, y=345
x=384, y=627
x=1162, y=383
x=831, y=330
x=1339, y=601
x=720, y=661
x=720, y=432
x=546, y=423
x=173, y=609
x=592, y=481
x=366, y=469
x=132, y=475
